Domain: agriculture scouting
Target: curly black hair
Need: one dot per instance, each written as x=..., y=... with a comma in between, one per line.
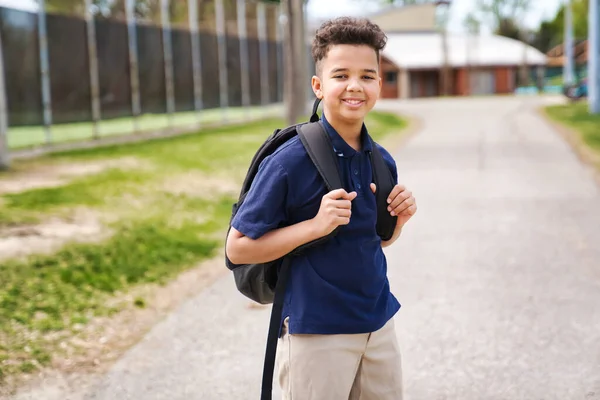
x=347, y=30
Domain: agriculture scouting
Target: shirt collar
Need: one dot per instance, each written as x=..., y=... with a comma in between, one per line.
x=340, y=146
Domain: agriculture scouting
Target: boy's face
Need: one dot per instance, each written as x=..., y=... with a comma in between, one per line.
x=349, y=82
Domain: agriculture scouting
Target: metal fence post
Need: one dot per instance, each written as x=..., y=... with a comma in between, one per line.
x=279, y=32
x=222, y=49
x=263, y=53
x=594, y=57
x=568, y=70
x=168, y=55
x=133, y=63
x=45, y=70
x=93, y=60
x=4, y=155
x=196, y=56
x=244, y=64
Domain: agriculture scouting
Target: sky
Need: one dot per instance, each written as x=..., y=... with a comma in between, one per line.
x=28, y=5
x=541, y=9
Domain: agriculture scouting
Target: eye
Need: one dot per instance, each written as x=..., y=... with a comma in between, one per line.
x=368, y=77
x=340, y=77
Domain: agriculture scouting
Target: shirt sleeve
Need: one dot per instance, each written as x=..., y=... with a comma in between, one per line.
x=390, y=162
x=265, y=205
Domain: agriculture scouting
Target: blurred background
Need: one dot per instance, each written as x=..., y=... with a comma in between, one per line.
x=126, y=130
x=79, y=69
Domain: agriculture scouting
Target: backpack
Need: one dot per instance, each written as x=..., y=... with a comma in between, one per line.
x=265, y=283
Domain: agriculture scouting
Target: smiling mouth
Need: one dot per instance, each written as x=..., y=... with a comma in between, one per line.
x=353, y=102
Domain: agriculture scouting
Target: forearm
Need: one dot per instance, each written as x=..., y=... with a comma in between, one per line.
x=395, y=236
x=271, y=246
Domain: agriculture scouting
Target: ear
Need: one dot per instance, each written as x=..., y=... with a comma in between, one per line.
x=317, y=87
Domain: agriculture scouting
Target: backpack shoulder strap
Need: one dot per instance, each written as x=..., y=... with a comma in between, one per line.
x=382, y=171
x=382, y=176
x=320, y=150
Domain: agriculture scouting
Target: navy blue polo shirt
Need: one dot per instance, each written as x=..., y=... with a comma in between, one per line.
x=341, y=286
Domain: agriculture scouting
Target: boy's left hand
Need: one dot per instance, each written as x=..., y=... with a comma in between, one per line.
x=401, y=202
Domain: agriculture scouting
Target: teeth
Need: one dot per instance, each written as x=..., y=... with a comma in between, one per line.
x=353, y=102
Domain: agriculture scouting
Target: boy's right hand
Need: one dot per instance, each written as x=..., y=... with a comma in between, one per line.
x=335, y=210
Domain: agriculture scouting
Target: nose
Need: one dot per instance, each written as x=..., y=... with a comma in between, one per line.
x=354, y=85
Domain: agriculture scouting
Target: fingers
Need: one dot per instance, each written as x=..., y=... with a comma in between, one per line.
x=407, y=207
x=342, y=204
x=336, y=194
x=351, y=196
x=395, y=192
x=411, y=210
x=344, y=213
x=341, y=194
x=373, y=187
x=342, y=221
x=342, y=216
x=399, y=199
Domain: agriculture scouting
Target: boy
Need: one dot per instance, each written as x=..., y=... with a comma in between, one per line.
x=338, y=339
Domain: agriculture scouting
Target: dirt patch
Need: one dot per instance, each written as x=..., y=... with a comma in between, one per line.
x=47, y=237
x=57, y=174
x=198, y=184
x=92, y=351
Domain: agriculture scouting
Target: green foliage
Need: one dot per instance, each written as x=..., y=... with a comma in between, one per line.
x=503, y=17
x=552, y=32
x=578, y=117
x=580, y=21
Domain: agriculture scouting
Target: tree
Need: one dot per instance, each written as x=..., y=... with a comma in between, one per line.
x=406, y=2
x=472, y=23
x=499, y=12
x=68, y=6
x=546, y=37
x=144, y=9
x=294, y=60
x=507, y=27
x=551, y=32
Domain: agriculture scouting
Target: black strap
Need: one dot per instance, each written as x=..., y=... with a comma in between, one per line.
x=382, y=177
x=274, y=326
x=314, y=116
x=320, y=150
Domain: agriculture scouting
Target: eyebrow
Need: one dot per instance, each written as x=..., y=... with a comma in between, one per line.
x=336, y=70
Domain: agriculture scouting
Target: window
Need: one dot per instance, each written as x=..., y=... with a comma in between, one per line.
x=391, y=77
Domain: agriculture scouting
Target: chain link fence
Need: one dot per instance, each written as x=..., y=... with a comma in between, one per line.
x=95, y=71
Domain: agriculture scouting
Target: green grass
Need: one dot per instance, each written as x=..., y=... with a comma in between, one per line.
x=585, y=125
x=213, y=150
x=155, y=234
x=31, y=136
x=381, y=125
x=73, y=282
x=89, y=191
x=555, y=81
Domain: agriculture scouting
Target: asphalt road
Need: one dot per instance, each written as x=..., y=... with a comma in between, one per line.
x=498, y=275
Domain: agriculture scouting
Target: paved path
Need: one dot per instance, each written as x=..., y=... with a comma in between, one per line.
x=499, y=276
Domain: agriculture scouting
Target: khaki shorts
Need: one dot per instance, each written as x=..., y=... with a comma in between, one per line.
x=340, y=367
